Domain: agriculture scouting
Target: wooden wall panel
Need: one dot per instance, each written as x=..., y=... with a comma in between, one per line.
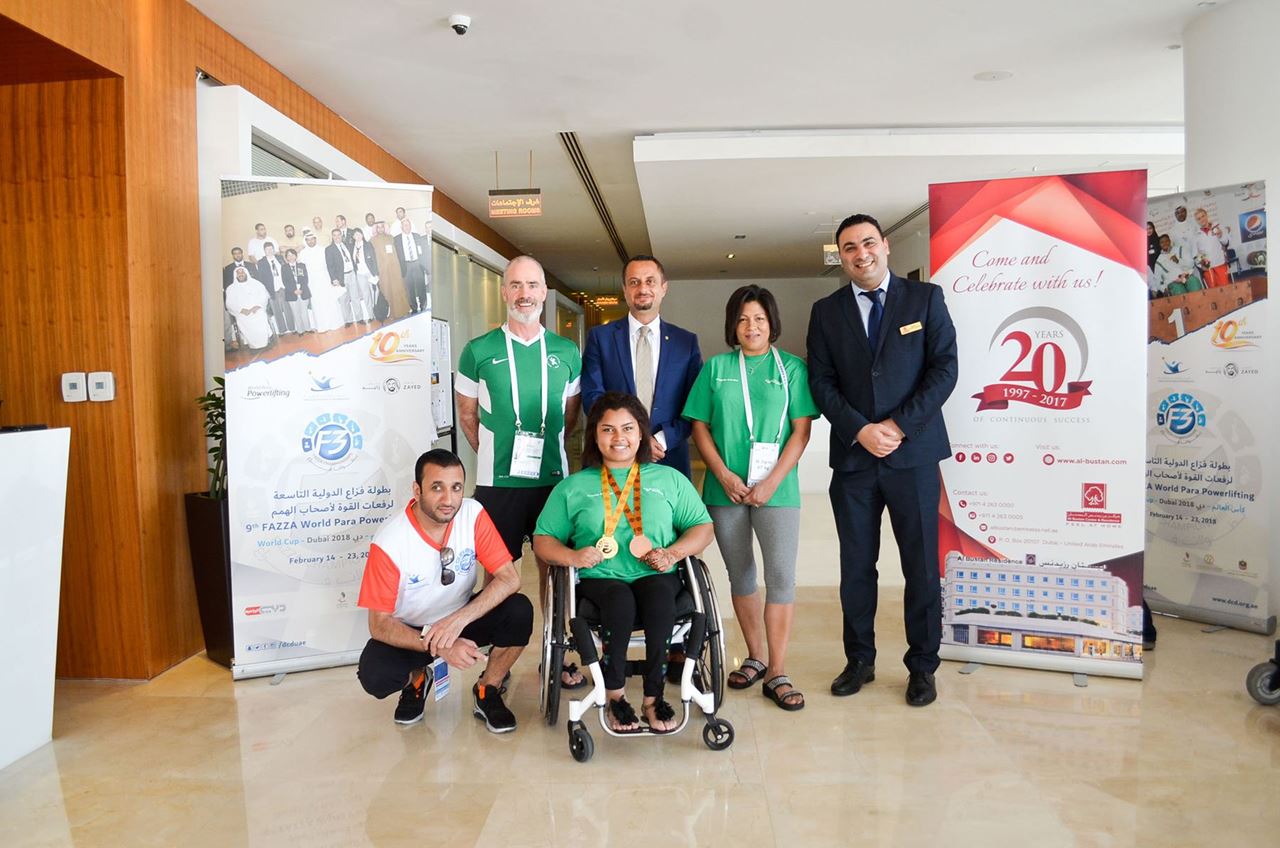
x=30, y=57
x=167, y=370
x=94, y=29
x=62, y=223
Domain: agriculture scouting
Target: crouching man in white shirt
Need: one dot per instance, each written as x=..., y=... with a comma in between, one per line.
x=418, y=585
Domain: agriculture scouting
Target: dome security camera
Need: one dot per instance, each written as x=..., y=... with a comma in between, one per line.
x=460, y=23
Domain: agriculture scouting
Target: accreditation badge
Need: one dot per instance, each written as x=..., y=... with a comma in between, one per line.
x=440, y=677
x=526, y=455
x=764, y=456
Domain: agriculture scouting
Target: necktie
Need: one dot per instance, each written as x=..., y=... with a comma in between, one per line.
x=644, y=369
x=873, y=322
x=409, y=253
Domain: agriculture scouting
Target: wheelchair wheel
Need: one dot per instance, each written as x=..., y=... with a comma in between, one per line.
x=1263, y=683
x=581, y=746
x=553, y=629
x=710, y=669
x=718, y=734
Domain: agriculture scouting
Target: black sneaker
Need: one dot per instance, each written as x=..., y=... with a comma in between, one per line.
x=413, y=699
x=489, y=706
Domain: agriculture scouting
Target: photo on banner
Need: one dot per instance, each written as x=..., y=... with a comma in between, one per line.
x=1207, y=501
x=1041, y=518
x=327, y=289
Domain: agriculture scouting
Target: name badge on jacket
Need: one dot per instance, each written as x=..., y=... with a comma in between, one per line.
x=905, y=329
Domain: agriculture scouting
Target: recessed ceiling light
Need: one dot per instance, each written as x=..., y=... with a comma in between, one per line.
x=728, y=256
x=993, y=76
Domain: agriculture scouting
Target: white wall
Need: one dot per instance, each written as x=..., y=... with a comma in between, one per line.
x=698, y=306
x=1231, y=73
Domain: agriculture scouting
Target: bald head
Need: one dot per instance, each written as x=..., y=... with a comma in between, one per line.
x=524, y=289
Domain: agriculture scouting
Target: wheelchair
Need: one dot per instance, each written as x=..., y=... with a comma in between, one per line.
x=570, y=624
x=1263, y=681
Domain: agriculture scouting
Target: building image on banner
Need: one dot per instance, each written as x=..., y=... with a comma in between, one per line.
x=1207, y=502
x=1041, y=519
x=329, y=402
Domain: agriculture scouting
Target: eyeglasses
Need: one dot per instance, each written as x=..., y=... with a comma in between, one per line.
x=447, y=574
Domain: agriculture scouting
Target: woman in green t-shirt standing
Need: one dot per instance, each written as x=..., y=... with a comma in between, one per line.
x=624, y=522
x=751, y=412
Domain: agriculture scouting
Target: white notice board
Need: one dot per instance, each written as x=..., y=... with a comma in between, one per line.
x=441, y=375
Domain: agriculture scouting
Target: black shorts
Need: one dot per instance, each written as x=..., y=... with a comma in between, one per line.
x=384, y=669
x=514, y=512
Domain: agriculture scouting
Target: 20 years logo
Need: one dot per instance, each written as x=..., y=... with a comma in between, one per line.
x=1047, y=344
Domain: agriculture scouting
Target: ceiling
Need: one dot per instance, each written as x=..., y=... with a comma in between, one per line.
x=796, y=77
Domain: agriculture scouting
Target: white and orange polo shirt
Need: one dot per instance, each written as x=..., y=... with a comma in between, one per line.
x=402, y=574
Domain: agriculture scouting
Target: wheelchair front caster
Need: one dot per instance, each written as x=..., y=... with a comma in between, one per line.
x=581, y=745
x=718, y=734
x=1263, y=683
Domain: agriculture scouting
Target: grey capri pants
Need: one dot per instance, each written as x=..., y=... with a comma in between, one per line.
x=778, y=529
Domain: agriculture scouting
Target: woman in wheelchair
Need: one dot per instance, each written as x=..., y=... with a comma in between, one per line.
x=625, y=522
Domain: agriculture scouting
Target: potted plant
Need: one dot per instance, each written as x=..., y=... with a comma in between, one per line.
x=208, y=533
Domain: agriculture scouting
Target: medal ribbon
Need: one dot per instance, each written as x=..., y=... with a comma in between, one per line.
x=613, y=514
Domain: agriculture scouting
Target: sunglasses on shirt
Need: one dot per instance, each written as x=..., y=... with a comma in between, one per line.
x=447, y=574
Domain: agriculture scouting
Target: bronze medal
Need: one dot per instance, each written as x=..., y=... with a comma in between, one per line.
x=640, y=545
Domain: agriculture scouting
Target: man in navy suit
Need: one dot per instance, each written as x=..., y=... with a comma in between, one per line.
x=650, y=358
x=882, y=361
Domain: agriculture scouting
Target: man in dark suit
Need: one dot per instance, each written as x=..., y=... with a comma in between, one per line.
x=340, y=224
x=297, y=290
x=413, y=251
x=271, y=274
x=342, y=272
x=648, y=357
x=229, y=271
x=882, y=360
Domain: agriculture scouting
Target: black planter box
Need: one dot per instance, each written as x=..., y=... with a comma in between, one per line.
x=208, y=534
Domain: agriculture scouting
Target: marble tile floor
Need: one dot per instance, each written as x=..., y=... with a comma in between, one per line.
x=1005, y=757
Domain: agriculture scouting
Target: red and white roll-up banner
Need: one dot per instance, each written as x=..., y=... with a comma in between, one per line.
x=1043, y=503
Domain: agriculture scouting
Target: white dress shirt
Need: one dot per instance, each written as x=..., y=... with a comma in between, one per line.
x=255, y=251
x=864, y=303
x=655, y=344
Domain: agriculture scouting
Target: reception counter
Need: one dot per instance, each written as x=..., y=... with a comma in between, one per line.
x=33, y=497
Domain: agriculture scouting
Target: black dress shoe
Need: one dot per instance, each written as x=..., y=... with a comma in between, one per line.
x=851, y=679
x=921, y=690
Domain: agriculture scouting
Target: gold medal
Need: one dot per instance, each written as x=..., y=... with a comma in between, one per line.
x=640, y=545
x=607, y=546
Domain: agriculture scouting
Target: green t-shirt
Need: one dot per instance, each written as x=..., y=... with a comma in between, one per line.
x=716, y=400
x=574, y=515
x=485, y=374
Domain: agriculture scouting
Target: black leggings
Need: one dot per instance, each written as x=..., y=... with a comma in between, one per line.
x=618, y=601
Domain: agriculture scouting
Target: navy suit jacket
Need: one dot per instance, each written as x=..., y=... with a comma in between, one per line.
x=606, y=367
x=907, y=378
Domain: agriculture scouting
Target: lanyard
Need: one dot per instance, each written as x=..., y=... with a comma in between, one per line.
x=630, y=488
x=746, y=395
x=515, y=386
